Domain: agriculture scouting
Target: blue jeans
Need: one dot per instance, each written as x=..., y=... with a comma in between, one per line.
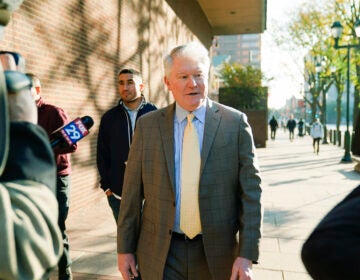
x=63, y=198
x=115, y=206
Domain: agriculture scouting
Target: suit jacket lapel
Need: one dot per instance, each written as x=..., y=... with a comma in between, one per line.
x=166, y=124
x=212, y=122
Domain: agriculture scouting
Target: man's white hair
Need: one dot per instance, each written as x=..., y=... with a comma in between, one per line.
x=192, y=49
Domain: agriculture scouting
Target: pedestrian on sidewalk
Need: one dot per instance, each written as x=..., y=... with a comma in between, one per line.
x=283, y=124
x=331, y=252
x=316, y=132
x=301, y=127
x=273, y=127
x=51, y=118
x=193, y=167
x=116, y=132
x=290, y=125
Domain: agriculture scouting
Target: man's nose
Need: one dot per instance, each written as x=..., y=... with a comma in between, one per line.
x=192, y=81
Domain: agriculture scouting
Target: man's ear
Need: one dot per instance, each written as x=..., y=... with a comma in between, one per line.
x=141, y=87
x=167, y=83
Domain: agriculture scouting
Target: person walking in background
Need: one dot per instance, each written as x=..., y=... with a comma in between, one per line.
x=290, y=125
x=316, y=132
x=301, y=127
x=51, y=118
x=283, y=124
x=273, y=127
x=192, y=183
x=116, y=132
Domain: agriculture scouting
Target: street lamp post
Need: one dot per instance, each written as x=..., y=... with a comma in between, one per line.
x=318, y=69
x=336, y=30
x=324, y=117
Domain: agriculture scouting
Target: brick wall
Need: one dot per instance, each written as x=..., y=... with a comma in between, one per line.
x=76, y=48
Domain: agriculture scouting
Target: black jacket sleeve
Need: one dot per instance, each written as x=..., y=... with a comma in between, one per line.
x=332, y=250
x=30, y=155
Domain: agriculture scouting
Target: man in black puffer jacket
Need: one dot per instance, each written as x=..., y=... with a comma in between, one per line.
x=115, y=135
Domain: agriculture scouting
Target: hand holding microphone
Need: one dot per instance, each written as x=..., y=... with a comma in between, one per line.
x=72, y=132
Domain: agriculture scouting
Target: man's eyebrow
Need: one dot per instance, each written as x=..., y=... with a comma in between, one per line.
x=197, y=71
x=181, y=73
x=128, y=80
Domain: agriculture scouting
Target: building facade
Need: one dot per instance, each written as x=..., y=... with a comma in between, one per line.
x=244, y=49
x=76, y=47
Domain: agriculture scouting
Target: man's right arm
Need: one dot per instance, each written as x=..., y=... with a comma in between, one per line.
x=103, y=160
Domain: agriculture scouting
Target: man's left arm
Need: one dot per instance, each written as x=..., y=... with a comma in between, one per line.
x=250, y=194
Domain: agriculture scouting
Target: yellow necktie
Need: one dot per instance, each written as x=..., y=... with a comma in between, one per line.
x=190, y=176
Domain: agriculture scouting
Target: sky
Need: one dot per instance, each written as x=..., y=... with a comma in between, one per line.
x=280, y=65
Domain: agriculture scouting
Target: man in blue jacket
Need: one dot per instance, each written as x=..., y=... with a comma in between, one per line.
x=115, y=135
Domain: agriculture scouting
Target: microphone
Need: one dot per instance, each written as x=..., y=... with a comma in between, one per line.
x=72, y=132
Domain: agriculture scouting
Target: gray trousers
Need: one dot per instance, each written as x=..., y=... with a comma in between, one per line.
x=186, y=260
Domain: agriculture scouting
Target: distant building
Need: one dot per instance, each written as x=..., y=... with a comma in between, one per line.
x=296, y=107
x=244, y=49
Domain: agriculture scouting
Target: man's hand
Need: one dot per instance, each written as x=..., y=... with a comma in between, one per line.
x=242, y=269
x=127, y=266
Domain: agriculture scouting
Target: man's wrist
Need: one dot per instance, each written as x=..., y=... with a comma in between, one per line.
x=108, y=192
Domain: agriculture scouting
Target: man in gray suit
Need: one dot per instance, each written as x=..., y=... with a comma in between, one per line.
x=229, y=191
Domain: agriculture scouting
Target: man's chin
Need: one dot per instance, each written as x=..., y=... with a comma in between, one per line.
x=193, y=105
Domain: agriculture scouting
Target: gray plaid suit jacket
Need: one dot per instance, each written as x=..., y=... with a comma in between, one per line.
x=229, y=192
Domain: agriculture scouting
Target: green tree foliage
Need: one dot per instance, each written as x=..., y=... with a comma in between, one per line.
x=242, y=86
x=348, y=12
x=237, y=75
x=310, y=26
x=310, y=31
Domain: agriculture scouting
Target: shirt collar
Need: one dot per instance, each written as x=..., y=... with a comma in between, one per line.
x=136, y=109
x=199, y=113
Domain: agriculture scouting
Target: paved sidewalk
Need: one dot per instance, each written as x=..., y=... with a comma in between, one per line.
x=92, y=237
x=299, y=189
